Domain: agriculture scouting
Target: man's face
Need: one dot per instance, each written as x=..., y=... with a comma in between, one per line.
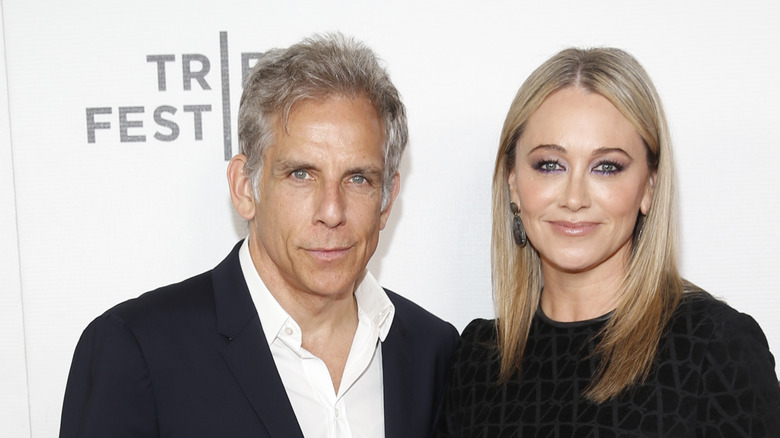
x=318, y=217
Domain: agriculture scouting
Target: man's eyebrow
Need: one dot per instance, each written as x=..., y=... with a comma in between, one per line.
x=365, y=170
x=290, y=165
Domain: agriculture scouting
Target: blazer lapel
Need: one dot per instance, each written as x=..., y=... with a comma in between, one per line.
x=396, y=367
x=247, y=353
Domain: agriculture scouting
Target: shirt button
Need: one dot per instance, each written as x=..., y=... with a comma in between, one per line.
x=288, y=330
x=337, y=413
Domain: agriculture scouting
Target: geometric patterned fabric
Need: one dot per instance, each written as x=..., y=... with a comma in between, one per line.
x=713, y=377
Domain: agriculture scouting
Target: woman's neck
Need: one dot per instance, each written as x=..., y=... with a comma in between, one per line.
x=580, y=296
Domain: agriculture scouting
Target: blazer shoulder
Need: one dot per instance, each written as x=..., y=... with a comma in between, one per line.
x=192, y=297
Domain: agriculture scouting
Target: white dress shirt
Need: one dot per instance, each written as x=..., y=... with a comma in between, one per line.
x=357, y=410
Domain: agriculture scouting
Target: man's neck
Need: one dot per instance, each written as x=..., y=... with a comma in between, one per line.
x=328, y=322
x=327, y=330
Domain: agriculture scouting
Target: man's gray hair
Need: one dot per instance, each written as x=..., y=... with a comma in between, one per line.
x=316, y=68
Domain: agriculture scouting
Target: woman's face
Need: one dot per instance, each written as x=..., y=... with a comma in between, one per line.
x=580, y=179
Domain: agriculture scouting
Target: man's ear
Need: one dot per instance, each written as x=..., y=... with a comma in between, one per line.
x=385, y=214
x=241, y=188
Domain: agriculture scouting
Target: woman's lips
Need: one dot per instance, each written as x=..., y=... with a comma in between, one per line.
x=574, y=229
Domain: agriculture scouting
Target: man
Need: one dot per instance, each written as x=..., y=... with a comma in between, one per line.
x=289, y=336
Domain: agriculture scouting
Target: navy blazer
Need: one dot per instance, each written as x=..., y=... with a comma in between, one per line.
x=191, y=360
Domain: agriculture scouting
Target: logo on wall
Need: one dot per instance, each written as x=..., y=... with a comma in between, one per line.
x=128, y=121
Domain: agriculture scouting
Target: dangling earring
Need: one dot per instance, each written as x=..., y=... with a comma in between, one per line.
x=518, y=231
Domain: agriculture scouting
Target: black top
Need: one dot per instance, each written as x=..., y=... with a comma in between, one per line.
x=713, y=377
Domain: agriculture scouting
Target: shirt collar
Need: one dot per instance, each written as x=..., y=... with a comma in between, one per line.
x=272, y=315
x=374, y=306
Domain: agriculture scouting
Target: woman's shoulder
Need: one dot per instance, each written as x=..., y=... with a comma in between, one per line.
x=703, y=315
x=479, y=331
x=699, y=305
x=478, y=342
x=477, y=353
x=735, y=371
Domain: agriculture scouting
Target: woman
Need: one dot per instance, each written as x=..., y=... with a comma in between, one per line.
x=597, y=335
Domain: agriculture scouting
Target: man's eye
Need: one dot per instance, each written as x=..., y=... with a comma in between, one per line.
x=358, y=179
x=300, y=174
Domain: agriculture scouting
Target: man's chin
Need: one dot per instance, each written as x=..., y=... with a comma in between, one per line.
x=329, y=286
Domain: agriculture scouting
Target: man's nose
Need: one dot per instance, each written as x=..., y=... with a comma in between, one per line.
x=331, y=207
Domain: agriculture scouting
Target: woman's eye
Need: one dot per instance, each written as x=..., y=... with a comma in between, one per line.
x=548, y=166
x=608, y=167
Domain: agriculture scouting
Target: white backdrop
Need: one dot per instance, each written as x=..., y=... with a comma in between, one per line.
x=87, y=224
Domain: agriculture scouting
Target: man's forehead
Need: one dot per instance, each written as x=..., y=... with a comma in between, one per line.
x=283, y=114
x=329, y=130
x=301, y=157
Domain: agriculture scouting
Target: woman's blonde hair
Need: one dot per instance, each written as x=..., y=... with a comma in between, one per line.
x=652, y=286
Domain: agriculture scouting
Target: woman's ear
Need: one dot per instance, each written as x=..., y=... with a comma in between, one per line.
x=647, y=198
x=512, y=189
